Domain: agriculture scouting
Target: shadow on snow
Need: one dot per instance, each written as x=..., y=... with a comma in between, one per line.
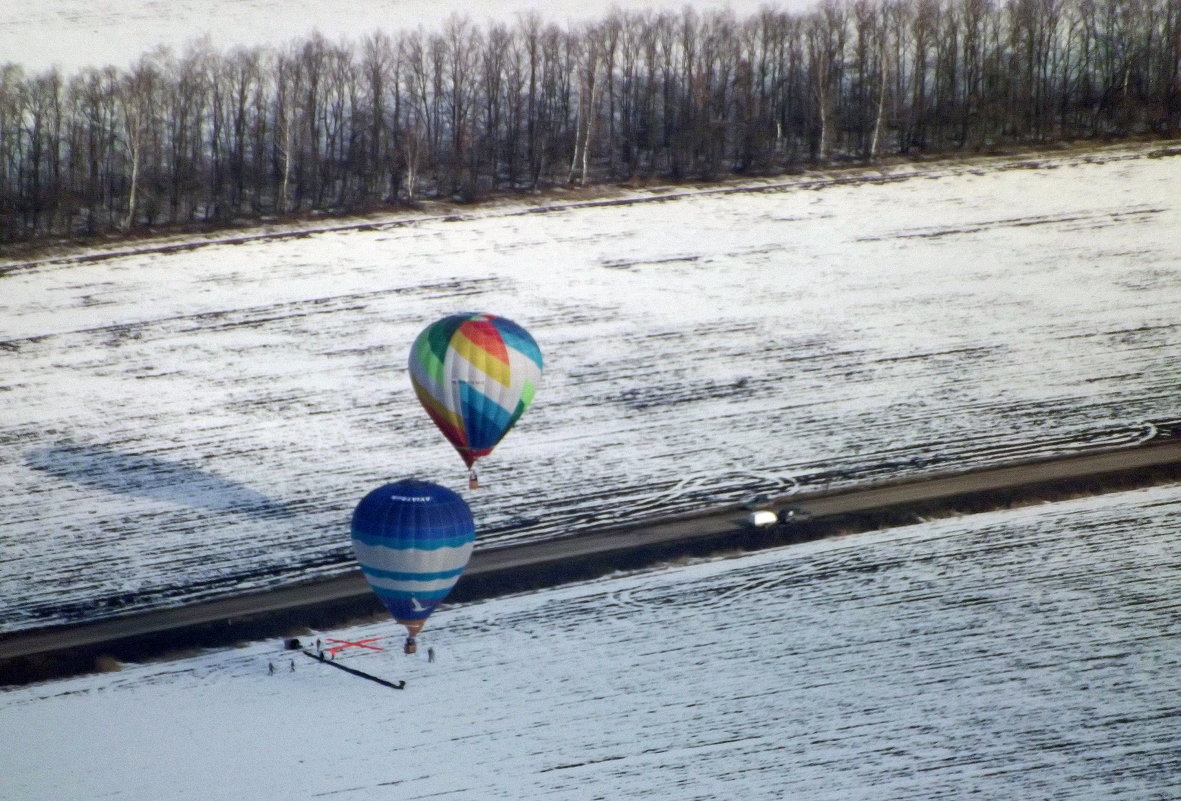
x=103, y=468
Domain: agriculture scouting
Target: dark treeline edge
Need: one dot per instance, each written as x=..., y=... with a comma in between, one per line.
x=209, y=138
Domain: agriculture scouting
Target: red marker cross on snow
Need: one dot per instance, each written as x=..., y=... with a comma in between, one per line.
x=349, y=644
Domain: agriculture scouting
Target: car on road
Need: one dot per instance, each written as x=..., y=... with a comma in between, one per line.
x=761, y=518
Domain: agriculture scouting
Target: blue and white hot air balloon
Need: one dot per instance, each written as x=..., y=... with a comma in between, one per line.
x=413, y=540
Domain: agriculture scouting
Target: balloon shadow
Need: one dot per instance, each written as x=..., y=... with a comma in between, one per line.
x=148, y=477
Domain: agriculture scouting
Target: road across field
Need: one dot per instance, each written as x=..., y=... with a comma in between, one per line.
x=721, y=524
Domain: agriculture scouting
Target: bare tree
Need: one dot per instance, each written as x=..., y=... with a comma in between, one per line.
x=588, y=48
x=461, y=45
x=826, y=35
x=378, y=65
x=284, y=123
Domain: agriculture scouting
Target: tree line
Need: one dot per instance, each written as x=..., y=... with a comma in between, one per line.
x=211, y=138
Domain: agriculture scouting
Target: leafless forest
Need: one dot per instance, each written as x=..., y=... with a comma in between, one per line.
x=212, y=138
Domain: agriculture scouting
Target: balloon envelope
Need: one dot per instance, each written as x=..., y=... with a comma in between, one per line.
x=413, y=540
x=475, y=374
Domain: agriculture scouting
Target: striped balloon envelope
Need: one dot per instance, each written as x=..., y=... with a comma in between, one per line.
x=413, y=540
x=475, y=374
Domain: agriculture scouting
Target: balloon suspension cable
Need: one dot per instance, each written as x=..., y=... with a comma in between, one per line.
x=473, y=482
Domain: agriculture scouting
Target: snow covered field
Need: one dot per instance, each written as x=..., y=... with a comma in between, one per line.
x=72, y=34
x=188, y=424
x=1025, y=654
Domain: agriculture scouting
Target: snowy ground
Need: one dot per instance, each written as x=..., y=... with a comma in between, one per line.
x=1030, y=653
x=189, y=424
x=76, y=33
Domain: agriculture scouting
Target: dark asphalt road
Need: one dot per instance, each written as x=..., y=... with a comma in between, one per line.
x=722, y=522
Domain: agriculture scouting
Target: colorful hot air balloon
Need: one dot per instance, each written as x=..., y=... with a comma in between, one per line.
x=413, y=540
x=475, y=374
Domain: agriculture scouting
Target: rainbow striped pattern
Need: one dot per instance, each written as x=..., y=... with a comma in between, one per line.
x=475, y=374
x=413, y=540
